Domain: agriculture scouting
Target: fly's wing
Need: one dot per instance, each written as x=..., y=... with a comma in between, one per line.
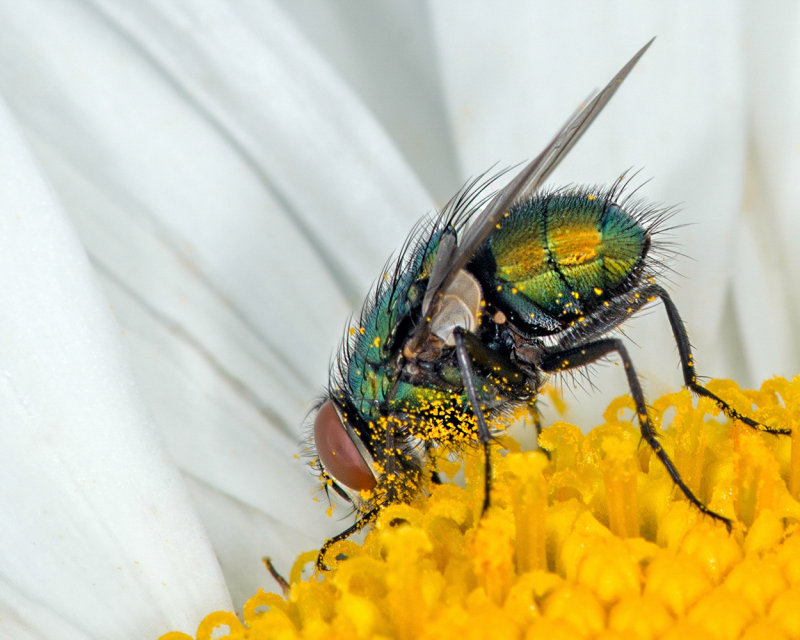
x=526, y=182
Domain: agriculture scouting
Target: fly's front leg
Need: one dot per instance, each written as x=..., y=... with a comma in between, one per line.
x=362, y=522
x=391, y=488
x=556, y=361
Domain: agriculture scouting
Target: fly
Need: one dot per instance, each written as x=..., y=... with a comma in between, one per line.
x=485, y=302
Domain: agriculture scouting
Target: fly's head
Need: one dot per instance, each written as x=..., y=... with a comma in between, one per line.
x=369, y=463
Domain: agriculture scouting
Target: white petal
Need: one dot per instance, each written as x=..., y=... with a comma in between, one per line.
x=760, y=298
x=287, y=113
x=242, y=535
x=99, y=538
x=768, y=293
x=386, y=53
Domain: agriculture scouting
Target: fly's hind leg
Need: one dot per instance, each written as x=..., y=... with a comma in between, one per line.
x=687, y=363
x=563, y=359
x=606, y=318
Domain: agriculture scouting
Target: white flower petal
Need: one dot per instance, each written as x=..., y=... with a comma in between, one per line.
x=99, y=534
x=242, y=535
x=288, y=114
x=386, y=53
x=774, y=225
x=760, y=297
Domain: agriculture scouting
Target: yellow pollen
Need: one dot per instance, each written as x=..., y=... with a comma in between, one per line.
x=591, y=541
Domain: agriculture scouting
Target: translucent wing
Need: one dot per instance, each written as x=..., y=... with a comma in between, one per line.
x=451, y=258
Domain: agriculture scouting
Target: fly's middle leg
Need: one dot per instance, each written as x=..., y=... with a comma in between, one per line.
x=484, y=437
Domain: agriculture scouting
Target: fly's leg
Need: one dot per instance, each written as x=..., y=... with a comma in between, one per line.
x=362, y=522
x=537, y=416
x=608, y=317
x=561, y=360
x=465, y=367
x=687, y=363
x=393, y=486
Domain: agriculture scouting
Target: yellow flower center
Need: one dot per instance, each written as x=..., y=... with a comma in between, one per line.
x=595, y=541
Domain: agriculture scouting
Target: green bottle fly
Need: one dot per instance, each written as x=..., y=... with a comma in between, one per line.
x=485, y=301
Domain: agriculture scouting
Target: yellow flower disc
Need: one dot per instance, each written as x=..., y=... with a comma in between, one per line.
x=592, y=540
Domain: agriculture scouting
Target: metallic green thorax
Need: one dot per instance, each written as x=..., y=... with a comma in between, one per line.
x=368, y=362
x=371, y=349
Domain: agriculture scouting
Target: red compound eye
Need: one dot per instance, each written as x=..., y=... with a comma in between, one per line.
x=339, y=454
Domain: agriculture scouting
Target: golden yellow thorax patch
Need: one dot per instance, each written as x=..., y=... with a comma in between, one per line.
x=574, y=246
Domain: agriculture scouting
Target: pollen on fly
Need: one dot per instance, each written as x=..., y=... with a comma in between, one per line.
x=498, y=292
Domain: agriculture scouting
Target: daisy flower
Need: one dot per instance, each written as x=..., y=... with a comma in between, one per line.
x=195, y=196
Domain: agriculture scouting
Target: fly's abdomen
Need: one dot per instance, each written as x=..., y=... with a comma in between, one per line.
x=565, y=254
